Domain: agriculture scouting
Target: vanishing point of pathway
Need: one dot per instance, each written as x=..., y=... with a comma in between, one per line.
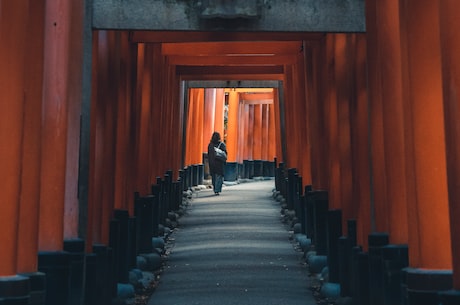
x=233, y=249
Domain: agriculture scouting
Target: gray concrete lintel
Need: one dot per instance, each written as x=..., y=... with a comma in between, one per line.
x=241, y=15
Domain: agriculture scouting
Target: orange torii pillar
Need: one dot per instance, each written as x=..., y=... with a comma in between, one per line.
x=450, y=48
x=272, y=138
x=387, y=104
x=317, y=78
x=30, y=183
x=265, y=139
x=219, y=111
x=231, y=168
x=265, y=131
x=389, y=239
x=194, y=136
x=248, y=161
x=208, y=116
x=56, y=88
x=278, y=130
x=241, y=137
x=430, y=255
x=257, y=140
x=14, y=29
x=360, y=145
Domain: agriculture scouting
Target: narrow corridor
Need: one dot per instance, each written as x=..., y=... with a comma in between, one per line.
x=234, y=249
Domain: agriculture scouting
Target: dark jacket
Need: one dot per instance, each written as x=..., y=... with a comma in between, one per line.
x=216, y=166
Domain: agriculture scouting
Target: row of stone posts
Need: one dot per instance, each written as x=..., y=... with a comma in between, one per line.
x=116, y=270
x=348, y=273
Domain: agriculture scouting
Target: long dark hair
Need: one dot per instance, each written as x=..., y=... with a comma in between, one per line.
x=215, y=137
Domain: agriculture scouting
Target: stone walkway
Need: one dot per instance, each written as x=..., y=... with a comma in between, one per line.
x=233, y=249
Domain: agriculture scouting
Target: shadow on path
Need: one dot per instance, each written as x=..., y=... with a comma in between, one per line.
x=233, y=249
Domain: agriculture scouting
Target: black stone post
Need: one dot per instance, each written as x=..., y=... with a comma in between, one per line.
x=231, y=171
x=200, y=174
x=143, y=210
x=76, y=250
x=106, y=274
x=156, y=190
x=424, y=286
x=132, y=243
x=119, y=242
x=92, y=296
x=14, y=290
x=56, y=266
x=347, y=272
x=291, y=186
x=334, y=232
x=395, y=259
x=376, y=276
x=258, y=169
x=450, y=297
x=309, y=215
x=37, y=282
x=320, y=208
x=250, y=169
x=361, y=265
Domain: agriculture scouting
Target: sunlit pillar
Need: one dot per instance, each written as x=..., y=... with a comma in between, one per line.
x=232, y=125
x=219, y=111
x=257, y=132
x=208, y=116
x=272, y=139
x=195, y=126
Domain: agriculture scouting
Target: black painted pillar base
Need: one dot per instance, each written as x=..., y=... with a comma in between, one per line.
x=14, y=290
x=451, y=297
x=423, y=286
x=76, y=249
x=231, y=171
x=37, y=287
x=56, y=266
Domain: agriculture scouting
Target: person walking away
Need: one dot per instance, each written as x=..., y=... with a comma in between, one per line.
x=216, y=162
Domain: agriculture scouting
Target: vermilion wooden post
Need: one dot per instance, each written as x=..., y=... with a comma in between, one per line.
x=144, y=116
x=13, y=34
x=272, y=139
x=219, y=111
x=315, y=59
x=30, y=180
x=194, y=126
x=304, y=148
x=75, y=79
x=241, y=132
x=257, y=130
x=345, y=79
x=278, y=130
x=122, y=190
x=208, y=116
x=331, y=118
x=360, y=130
x=388, y=35
x=93, y=225
x=54, y=126
x=289, y=110
x=450, y=43
x=265, y=131
x=232, y=126
x=379, y=192
x=428, y=218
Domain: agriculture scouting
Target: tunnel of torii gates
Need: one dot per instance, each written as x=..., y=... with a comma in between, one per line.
x=371, y=117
